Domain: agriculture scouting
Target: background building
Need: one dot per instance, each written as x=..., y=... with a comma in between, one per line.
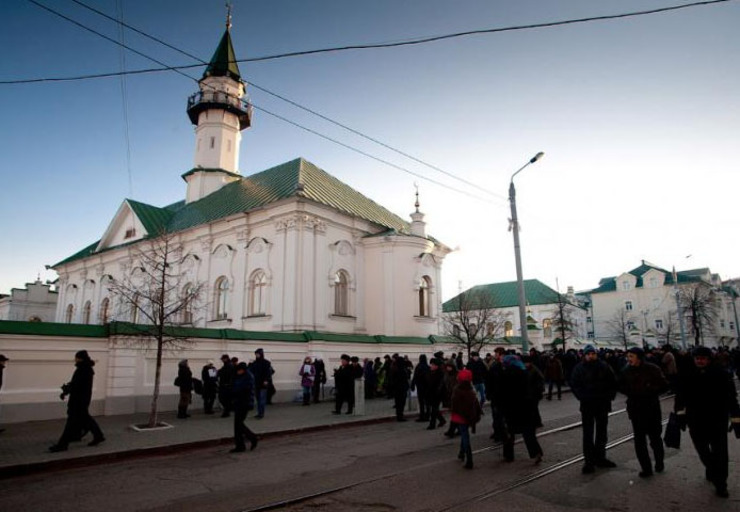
x=37, y=302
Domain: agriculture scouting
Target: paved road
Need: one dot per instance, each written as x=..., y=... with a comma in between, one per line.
x=395, y=466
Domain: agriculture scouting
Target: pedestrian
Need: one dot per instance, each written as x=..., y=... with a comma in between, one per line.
x=3, y=360
x=450, y=381
x=705, y=399
x=669, y=366
x=344, y=385
x=643, y=383
x=209, y=376
x=418, y=384
x=434, y=391
x=519, y=409
x=554, y=376
x=594, y=385
x=308, y=374
x=319, y=379
x=535, y=387
x=479, y=371
x=79, y=390
x=371, y=379
x=466, y=412
x=262, y=371
x=184, y=381
x=225, y=384
x=399, y=383
x=495, y=393
x=242, y=400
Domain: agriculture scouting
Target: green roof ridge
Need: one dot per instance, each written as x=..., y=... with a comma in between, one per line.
x=223, y=62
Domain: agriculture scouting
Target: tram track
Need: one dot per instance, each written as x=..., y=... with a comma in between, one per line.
x=542, y=473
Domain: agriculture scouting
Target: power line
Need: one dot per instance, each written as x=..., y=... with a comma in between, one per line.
x=259, y=108
x=124, y=99
x=409, y=42
x=297, y=105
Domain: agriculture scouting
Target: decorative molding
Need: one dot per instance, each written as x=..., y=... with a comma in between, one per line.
x=300, y=220
x=222, y=251
x=99, y=269
x=257, y=245
x=242, y=237
x=206, y=243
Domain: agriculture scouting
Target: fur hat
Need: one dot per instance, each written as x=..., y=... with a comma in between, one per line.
x=465, y=375
x=702, y=352
x=637, y=351
x=588, y=349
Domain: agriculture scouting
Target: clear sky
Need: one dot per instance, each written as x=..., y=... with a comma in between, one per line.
x=639, y=120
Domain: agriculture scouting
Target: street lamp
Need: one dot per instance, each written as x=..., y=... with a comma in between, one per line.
x=514, y=226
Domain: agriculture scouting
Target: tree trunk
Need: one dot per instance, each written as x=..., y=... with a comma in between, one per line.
x=155, y=395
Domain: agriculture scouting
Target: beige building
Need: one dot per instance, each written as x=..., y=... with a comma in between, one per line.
x=644, y=303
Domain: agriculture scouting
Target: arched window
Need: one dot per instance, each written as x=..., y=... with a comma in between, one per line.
x=258, y=294
x=547, y=327
x=508, y=329
x=104, y=310
x=424, y=286
x=187, y=310
x=341, y=286
x=134, y=313
x=86, y=310
x=222, y=298
x=69, y=314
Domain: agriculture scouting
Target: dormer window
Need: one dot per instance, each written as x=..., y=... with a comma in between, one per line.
x=625, y=285
x=130, y=233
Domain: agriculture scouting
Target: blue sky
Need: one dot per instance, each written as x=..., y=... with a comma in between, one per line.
x=638, y=119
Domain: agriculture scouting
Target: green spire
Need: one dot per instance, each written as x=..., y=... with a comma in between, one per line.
x=223, y=62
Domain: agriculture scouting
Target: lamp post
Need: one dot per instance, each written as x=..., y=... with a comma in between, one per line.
x=518, y=257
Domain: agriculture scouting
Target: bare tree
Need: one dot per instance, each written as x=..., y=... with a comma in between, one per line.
x=158, y=302
x=619, y=326
x=562, y=319
x=698, y=304
x=473, y=320
x=670, y=328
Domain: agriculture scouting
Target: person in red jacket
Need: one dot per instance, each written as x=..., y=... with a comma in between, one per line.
x=466, y=412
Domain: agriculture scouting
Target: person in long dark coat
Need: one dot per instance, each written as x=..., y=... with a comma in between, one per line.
x=242, y=400
x=706, y=401
x=79, y=390
x=225, y=384
x=209, y=376
x=434, y=392
x=554, y=376
x=594, y=384
x=399, y=384
x=320, y=379
x=185, y=383
x=519, y=408
x=495, y=394
x=371, y=379
x=344, y=385
x=643, y=383
x=419, y=383
x=262, y=370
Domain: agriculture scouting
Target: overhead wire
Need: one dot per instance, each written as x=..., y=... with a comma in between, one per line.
x=282, y=118
x=124, y=99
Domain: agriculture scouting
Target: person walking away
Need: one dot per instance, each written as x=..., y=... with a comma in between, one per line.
x=242, y=399
x=209, y=376
x=308, y=374
x=225, y=384
x=705, y=399
x=184, y=381
x=344, y=385
x=399, y=384
x=371, y=381
x=479, y=370
x=79, y=390
x=262, y=371
x=594, y=385
x=450, y=381
x=643, y=383
x=519, y=409
x=535, y=387
x=466, y=412
x=495, y=393
x=3, y=360
x=554, y=376
x=434, y=391
x=319, y=379
x=418, y=384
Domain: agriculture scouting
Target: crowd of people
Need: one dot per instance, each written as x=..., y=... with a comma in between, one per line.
x=701, y=380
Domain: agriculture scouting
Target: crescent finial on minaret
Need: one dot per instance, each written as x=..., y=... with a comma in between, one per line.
x=228, y=15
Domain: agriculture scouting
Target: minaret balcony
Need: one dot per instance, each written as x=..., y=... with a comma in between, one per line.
x=202, y=101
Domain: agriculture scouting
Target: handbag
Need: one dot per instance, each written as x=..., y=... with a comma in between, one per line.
x=672, y=435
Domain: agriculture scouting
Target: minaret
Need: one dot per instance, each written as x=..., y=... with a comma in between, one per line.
x=220, y=111
x=417, y=219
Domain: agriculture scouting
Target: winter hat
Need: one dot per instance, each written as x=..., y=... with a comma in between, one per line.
x=435, y=361
x=439, y=355
x=3, y=358
x=588, y=349
x=354, y=359
x=465, y=375
x=82, y=354
x=637, y=351
x=512, y=361
x=225, y=356
x=260, y=352
x=702, y=352
x=345, y=357
x=474, y=354
x=241, y=366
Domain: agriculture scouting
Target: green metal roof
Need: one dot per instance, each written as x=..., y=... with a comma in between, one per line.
x=609, y=284
x=505, y=295
x=297, y=178
x=223, y=62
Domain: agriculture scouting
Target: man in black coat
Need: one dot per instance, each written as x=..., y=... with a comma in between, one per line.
x=434, y=391
x=319, y=379
x=705, y=400
x=344, y=385
x=643, y=383
x=399, y=379
x=495, y=394
x=225, y=383
x=262, y=370
x=594, y=384
x=242, y=396
x=479, y=371
x=209, y=376
x=79, y=390
x=419, y=383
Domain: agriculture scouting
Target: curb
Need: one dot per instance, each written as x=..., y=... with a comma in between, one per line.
x=33, y=468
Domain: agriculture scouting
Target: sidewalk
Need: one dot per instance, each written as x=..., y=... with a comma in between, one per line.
x=24, y=447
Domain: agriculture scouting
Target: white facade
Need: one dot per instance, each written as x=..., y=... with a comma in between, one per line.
x=37, y=302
